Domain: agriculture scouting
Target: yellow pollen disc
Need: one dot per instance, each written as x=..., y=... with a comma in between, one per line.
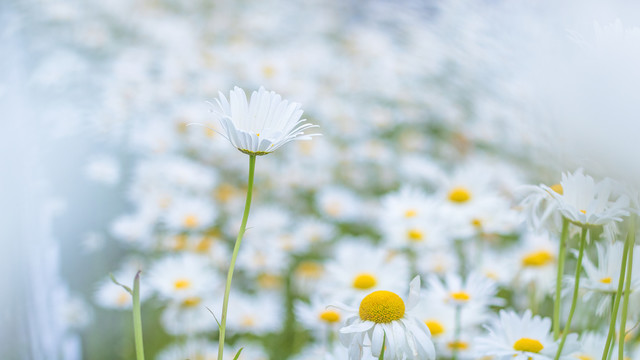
x=458, y=345
x=258, y=134
x=248, y=321
x=182, y=284
x=537, y=258
x=583, y=357
x=269, y=281
x=204, y=245
x=410, y=213
x=476, y=222
x=334, y=209
x=330, y=316
x=224, y=193
x=606, y=280
x=415, y=235
x=190, y=221
x=435, y=327
x=364, y=281
x=459, y=195
x=583, y=211
x=180, y=242
x=268, y=71
x=122, y=299
x=460, y=296
x=191, y=302
x=529, y=345
x=381, y=307
x=310, y=269
x=557, y=188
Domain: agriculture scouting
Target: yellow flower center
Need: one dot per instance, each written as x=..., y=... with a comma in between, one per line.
x=248, y=321
x=364, y=281
x=557, y=188
x=381, y=307
x=181, y=284
x=529, y=345
x=309, y=269
x=583, y=357
x=123, y=298
x=415, y=235
x=191, y=302
x=180, y=242
x=476, y=222
x=460, y=296
x=330, y=316
x=410, y=213
x=269, y=281
x=459, y=195
x=224, y=193
x=435, y=327
x=537, y=258
x=190, y=221
x=458, y=345
x=204, y=245
x=268, y=71
x=606, y=280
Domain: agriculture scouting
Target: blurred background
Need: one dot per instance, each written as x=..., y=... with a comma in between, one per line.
x=100, y=170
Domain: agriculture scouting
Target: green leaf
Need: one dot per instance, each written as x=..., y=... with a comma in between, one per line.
x=214, y=317
x=128, y=289
x=237, y=354
x=384, y=339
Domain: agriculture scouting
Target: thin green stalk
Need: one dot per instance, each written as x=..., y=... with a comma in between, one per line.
x=631, y=239
x=384, y=340
x=618, y=296
x=236, y=248
x=137, y=318
x=576, y=287
x=561, y=259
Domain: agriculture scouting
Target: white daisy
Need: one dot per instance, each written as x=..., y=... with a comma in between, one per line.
x=383, y=318
x=587, y=203
x=512, y=337
x=263, y=124
x=475, y=290
x=602, y=279
x=189, y=316
x=182, y=277
x=349, y=279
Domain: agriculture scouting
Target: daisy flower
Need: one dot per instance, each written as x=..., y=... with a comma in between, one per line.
x=476, y=290
x=587, y=203
x=383, y=318
x=526, y=337
x=182, y=277
x=602, y=279
x=263, y=124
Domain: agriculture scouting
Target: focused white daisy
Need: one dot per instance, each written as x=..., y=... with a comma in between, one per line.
x=261, y=125
x=383, y=318
x=587, y=203
x=523, y=337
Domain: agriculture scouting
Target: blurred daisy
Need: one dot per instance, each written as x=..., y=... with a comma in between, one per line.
x=103, y=169
x=476, y=290
x=189, y=316
x=182, y=277
x=383, y=318
x=190, y=214
x=602, y=279
x=347, y=279
x=514, y=337
x=256, y=315
x=316, y=314
x=587, y=203
x=263, y=124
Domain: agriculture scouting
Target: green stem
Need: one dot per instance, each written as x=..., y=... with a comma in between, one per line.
x=631, y=239
x=137, y=318
x=574, y=298
x=618, y=296
x=561, y=259
x=456, y=334
x=236, y=248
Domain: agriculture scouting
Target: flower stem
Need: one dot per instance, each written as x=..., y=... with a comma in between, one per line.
x=618, y=296
x=561, y=258
x=631, y=239
x=576, y=287
x=137, y=318
x=236, y=248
